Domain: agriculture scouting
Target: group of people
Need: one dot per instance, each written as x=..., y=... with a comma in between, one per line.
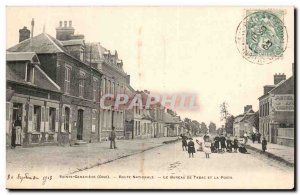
x=220, y=144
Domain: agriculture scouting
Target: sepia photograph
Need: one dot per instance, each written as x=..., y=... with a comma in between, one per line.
x=143, y=97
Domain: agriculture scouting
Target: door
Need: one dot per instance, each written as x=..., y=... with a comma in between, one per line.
x=80, y=124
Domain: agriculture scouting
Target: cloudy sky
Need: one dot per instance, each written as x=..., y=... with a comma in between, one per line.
x=170, y=50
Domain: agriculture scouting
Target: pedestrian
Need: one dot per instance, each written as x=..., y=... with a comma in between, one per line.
x=258, y=137
x=253, y=136
x=229, y=145
x=18, y=130
x=242, y=149
x=264, y=144
x=191, y=148
x=112, y=139
x=235, y=144
x=217, y=140
x=245, y=138
x=184, y=142
x=207, y=149
x=223, y=143
x=206, y=137
x=200, y=148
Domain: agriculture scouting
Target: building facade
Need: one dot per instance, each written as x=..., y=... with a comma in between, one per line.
x=63, y=60
x=276, y=111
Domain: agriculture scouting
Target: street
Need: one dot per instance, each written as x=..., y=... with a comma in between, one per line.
x=228, y=170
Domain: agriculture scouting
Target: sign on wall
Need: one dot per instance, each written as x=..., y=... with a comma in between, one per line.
x=283, y=102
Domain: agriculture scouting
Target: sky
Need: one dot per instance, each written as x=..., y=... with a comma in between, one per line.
x=170, y=50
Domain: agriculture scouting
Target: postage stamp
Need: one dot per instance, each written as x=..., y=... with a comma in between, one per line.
x=261, y=36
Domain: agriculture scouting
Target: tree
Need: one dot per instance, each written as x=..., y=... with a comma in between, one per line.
x=229, y=125
x=203, y=127
x=224, y=111
x=212, y=128
x=195, y=127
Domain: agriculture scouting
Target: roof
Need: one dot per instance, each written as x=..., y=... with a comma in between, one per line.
x=285, y=87
x=42, y=43
x=22, y=56
x=170, y=119
x=41, y=80
x=96, y=51
x=73, y=42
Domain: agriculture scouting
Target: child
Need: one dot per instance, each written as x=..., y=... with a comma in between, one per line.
x=235, y=144
x=207, y=149
x=264, y=144
x=184, y=142
x=191, y=148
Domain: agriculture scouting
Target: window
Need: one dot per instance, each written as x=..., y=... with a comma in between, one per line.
x=67, y=80
x=81, y=85
x=52, y=114
x=103, y=86
x=29, y=73
x=37, y=118
x=81, y=54
x=67, y=119
x=95, y=89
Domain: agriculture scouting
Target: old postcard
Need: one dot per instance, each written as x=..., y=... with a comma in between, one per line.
x=150, y=98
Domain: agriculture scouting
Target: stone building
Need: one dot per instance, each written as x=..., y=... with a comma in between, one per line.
x=32, y=95
x=276, y=111
x=245, y=123
x=63, y=60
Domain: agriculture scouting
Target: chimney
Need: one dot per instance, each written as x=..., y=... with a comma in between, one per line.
x=24, y=34
x=268, y=88
x=247, y=107
x=32, y=27
x=278, y=78
x=64, y=32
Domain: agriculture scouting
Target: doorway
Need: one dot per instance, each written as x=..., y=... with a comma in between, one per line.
x=80, y=124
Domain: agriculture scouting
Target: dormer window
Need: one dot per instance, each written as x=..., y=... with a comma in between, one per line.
x=82, y=54
x=29, y=73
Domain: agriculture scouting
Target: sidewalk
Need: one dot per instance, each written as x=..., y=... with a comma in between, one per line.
x=278, y=152
x=66, y=160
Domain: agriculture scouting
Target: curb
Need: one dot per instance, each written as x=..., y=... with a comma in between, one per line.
x=270, y=155
x=171, y=141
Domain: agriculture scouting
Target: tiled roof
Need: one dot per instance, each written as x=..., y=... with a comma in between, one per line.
x=285, y=87
x=42, y=43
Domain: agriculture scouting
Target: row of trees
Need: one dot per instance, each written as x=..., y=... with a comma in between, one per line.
x=195, y=127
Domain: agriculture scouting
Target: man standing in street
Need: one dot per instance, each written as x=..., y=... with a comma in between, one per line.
x=112, y=139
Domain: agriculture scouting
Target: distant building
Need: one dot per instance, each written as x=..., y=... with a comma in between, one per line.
x=245, y=123
x=276, y=111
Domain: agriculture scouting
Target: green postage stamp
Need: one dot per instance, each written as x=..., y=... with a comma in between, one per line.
x=261, y=37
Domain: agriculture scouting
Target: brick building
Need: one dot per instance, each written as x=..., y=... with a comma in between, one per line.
x=245, y=123
x=63, y=60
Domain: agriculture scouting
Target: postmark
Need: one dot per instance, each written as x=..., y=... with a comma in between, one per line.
x=261, y=36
